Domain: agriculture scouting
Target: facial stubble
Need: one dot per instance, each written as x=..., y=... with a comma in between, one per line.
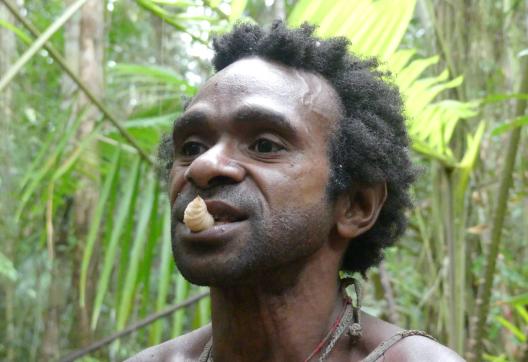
x=272, y=243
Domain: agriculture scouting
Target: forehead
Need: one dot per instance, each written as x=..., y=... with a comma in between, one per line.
x=301, y=96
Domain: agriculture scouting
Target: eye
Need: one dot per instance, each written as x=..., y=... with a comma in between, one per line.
x=263, y=145
x=190, y=149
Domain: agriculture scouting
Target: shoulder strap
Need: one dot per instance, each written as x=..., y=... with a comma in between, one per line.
x=385, y=345
x=206, y=353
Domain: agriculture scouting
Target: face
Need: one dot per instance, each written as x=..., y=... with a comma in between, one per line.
x=253, y=145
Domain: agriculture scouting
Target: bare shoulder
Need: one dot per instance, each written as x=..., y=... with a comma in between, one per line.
x=180, y=349
x=419, y=348
x=413, y=348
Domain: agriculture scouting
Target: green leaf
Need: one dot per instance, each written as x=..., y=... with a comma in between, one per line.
x=146, y=268
x=18, y=32
x=521, y=299
x=125, y=243
x=95, y=224
x=134, y=259
x=503, y=128
x=522, y=312
x=123, y=213
x=36, y=176
x=237, y=9
x=500, y=97
x=166, y=268
x=168, y=17
x=375, y=28
x=468, y=161
x=516, y=331
x=313, y=11
x=151, y=73
x=72, y=158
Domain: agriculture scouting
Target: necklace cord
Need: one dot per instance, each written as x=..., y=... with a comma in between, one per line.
x=348, y=320
x=329, y=334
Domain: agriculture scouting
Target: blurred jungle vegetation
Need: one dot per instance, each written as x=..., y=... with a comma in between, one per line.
x=84, y=222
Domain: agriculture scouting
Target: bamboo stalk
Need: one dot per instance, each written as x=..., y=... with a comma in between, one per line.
x=62, y=62
x=456, y=269
x=484, y=292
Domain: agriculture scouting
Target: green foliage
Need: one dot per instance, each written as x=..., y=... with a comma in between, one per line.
x=7, y=270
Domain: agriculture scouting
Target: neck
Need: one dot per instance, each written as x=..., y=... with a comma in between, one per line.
x=277, y=318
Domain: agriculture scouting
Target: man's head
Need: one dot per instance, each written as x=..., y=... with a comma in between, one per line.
x=303, y=145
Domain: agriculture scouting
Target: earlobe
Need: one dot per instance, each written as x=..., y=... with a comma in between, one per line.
x=357, y=209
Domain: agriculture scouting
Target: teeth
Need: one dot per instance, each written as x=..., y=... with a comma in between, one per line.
x=224, y=219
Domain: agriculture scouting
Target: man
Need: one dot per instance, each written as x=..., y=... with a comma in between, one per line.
x=299, y=150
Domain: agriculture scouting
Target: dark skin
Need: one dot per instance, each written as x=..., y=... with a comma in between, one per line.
x=253, y=143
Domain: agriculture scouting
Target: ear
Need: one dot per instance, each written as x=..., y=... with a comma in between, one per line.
x=357, y=209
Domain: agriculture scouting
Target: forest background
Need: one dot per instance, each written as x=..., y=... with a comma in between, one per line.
x=87, y=87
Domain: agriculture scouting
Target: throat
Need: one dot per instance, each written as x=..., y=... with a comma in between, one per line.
x=251, y=324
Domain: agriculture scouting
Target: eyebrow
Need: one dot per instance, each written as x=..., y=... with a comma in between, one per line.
x=247, y=114
x=264, y=117
x=188, y=122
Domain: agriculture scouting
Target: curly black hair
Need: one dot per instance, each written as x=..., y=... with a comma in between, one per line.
x=370, y=145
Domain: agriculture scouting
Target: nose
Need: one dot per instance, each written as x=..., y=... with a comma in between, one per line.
x=214, y=167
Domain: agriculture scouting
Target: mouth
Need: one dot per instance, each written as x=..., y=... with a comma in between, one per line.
x=224, y=213
x=228, y=223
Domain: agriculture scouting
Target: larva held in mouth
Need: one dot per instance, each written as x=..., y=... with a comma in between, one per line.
x=196, y=216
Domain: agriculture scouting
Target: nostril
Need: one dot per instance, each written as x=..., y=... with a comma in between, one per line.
x=220, y=180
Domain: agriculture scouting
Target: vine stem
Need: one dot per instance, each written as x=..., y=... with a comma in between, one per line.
x=133, y=327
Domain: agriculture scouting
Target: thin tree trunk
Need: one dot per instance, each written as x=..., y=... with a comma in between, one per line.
x=279, y=10
x=91, y=73
x=7, y=201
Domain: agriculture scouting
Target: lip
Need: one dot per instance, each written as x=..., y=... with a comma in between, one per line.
x=215, y=235
x=218, y=207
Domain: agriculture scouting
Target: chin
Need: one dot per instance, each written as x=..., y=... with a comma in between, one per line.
x=212, y=272
x=214, y=276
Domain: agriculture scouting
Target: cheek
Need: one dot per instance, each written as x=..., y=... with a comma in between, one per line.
x=313, y=181
x=176, y=182
x=303, y=183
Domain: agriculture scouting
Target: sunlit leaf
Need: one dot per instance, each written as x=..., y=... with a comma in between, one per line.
x=18, y=32
x=237, y=8
x=503, y=128
x=516, y=331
